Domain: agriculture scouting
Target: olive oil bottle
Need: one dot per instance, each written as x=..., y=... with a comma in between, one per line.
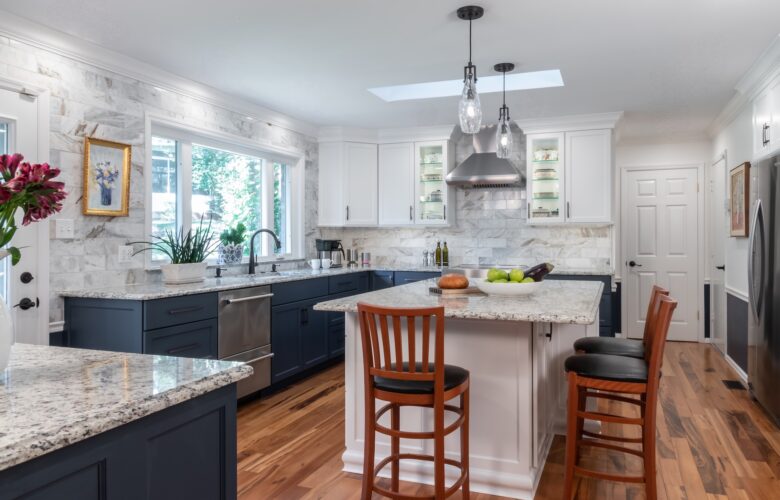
x=445, y=255
x=437, y=254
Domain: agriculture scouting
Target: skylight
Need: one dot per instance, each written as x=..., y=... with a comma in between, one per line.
x=485, y=85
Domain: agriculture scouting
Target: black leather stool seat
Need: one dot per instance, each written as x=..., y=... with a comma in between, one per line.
x=611, y=345
x=608, y=367
x=453, y=377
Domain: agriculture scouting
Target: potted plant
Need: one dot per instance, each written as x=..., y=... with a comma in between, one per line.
x=231, y=251
x=187, y=252
x=29, y=188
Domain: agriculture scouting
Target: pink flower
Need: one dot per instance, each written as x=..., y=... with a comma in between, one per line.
x=9, y=164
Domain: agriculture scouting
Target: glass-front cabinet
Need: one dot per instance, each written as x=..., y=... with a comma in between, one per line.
x=545, y=181
x=431, y=191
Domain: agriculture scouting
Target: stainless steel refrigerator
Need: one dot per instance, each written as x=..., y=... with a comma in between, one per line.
x=764, y=286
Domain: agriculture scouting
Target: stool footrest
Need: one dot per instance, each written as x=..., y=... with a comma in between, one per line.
x=609, y=477
x=611, y=438
x=614, y=447
x=614, y=397
x=608, y=417
x=427, y=458
x=418, y=435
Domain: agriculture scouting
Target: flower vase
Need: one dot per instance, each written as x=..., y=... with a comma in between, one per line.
x=6, y=327
x=105, y=196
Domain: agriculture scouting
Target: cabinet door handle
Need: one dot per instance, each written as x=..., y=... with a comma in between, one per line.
x=764, y=136
x=185, y=310
x=445, y=212
x=183, y=348
x=528, y=215
x=411, y=217
x=304, y=316
x=247, y=299
x=568, y=209
x=347, y=212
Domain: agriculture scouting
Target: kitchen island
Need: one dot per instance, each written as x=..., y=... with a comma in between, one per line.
x=93, y=424
x=514, y=348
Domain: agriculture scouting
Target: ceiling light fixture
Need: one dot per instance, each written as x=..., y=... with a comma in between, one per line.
x=503, y=130
x=469, y=108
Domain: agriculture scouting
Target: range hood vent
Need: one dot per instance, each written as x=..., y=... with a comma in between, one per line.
x=483, y=169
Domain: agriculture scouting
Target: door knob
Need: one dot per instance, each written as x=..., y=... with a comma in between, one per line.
x=26, y=277
x=631, y=263
x=27, y=303
x=722, y=268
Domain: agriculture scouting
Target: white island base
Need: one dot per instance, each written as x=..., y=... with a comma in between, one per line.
x=518, y=401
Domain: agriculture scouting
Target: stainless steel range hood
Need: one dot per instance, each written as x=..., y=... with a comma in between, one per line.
x=483, y=168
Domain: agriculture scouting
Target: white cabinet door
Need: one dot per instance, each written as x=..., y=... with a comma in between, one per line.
x=763, y=124
x=360, y=184
x=331, y=206
x=774, y=130
x=432, y=193
x=545, y=178
x=588, y=176
x=396, y=184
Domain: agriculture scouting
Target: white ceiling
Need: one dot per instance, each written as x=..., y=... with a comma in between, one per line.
x=671, y=65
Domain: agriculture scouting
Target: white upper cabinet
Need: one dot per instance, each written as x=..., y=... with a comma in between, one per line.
x=433, y=195
x=360, y=184
x=347, y=184
x=766, y=121
x=396, y=184
x=569, y=177
x=588, y=176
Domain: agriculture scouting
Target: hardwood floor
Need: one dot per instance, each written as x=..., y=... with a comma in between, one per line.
x=713, y=442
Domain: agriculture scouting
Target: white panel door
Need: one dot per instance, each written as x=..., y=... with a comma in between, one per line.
x=360, y=184
x=588, y=163
x=396, y=184
x=718, y=234
x=330, y=201
x=19, y=116
x=660, y=243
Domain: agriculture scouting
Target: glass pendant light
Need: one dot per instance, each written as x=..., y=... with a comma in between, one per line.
x=469, y=108
x=503, y=130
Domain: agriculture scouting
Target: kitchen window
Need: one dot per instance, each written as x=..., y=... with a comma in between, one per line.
x=197, y=181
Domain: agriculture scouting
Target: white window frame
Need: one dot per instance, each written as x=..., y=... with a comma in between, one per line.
x=185, y=135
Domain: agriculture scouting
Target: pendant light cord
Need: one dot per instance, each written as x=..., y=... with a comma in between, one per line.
x=469, y=42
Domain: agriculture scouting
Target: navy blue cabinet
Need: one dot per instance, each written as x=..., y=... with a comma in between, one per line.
x=314, y=334
x=381, y=279
x=607, y=328
x=286, y=341
x=405, y=277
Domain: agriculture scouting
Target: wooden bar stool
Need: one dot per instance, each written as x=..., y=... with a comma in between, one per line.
x=613, y=377
x=411, y=380
x=624, y=347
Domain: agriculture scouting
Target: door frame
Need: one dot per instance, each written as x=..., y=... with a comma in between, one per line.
x=723, y=156
x=42, y=95
x=701, y=223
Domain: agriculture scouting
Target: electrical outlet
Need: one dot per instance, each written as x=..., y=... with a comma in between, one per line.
x=64, y=229
x=125, y=254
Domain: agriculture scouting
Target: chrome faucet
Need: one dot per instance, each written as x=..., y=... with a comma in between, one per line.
x=252, y=262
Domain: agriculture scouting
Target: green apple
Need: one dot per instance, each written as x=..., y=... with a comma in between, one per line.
x=516, y=275
x=527, y=280
x=501, y=281
x=496, y=274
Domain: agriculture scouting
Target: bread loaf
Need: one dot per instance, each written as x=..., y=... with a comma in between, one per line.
x=453, y=281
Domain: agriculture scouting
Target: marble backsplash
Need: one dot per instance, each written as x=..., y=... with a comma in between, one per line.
x=86, y=100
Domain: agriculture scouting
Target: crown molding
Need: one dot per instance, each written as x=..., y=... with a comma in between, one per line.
x=348, y=134
x=764, y=71
x=386, y=135
x=36, y=35
x=567, y=123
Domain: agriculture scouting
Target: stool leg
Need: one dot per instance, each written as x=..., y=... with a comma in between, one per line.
x=368, y=449
x=438, y=447
x=648, y=449
x=571, y=435
x=395, y=447
x=582, y=402
x=464, y=444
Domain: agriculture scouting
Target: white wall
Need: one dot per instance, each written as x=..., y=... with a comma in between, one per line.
x=735, y=140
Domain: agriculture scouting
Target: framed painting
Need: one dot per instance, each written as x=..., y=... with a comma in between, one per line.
x=739, y=181
x=106, y=178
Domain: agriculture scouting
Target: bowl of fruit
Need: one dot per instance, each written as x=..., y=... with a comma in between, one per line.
x=514, y=282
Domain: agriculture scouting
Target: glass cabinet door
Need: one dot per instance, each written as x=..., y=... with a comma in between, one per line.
x=545, y=178
x=431, y=191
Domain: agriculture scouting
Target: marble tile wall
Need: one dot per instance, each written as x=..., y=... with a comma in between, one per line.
x=491, y=228
x=86, y=100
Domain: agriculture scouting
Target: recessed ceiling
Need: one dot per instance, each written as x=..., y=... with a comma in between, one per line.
x=671, y=65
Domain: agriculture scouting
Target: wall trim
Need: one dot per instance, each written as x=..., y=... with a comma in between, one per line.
x=737, y=293
x=591, y=121
x=740, y=372
x=763, y=71
x=36, y=35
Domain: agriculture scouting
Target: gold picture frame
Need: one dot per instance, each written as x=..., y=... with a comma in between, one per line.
x=739, y=183
x=107, y=167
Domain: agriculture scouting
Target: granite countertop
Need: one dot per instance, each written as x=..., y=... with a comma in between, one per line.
x=151, y=291
x=556, y=301
x=51, y=397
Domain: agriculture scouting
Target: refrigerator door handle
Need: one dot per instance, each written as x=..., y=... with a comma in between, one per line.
x=756, y=226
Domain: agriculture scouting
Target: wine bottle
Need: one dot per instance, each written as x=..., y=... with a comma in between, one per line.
x=445, y=255
x=438, y=254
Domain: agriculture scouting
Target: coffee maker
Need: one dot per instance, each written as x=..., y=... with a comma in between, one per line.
x=330, y=249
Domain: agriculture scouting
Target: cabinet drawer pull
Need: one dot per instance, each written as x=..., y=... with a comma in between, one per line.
x=247, y=299
x=184, y=348
x=185, y=310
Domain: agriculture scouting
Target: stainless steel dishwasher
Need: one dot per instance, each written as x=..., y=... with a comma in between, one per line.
x=245, y=333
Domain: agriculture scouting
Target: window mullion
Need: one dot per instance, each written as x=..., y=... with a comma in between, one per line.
x=267, y=208
x=185, y=186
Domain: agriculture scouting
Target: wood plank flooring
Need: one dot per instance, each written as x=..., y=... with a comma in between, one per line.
x=713, y=442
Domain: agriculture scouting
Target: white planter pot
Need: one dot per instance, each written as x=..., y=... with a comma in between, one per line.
x=180, y=274
x=6, y=328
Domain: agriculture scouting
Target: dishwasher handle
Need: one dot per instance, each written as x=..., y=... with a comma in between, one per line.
x=247, y=299
x=266, y=356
